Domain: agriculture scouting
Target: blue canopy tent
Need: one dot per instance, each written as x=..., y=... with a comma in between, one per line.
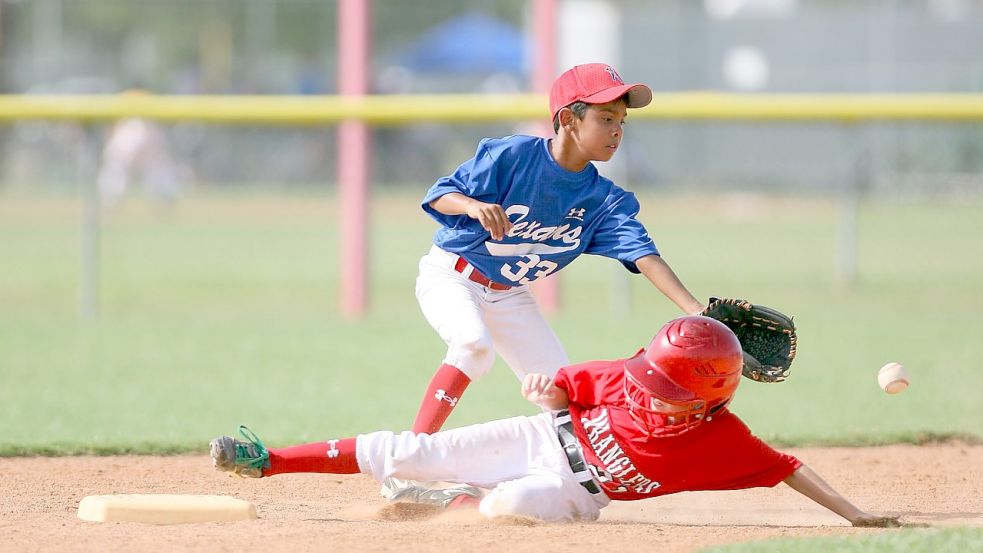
x=471, y=43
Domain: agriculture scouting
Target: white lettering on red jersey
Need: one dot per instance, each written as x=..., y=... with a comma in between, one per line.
x=620, y=473
x=720, y=454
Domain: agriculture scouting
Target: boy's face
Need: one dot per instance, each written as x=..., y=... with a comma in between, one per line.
x=599, y=133
x=659, y=405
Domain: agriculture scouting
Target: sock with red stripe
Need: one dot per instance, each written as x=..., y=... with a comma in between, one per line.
x=332, y=456
x=445, y=389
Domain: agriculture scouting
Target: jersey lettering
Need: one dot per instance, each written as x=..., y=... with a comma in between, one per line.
x=622, y=474
x=535, y=231
x=532, y=266
x=619, y=465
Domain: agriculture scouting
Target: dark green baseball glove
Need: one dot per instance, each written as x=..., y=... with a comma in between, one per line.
x=767, y=336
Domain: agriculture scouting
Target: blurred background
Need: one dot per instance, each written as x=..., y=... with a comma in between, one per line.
x=468, y=46
x=213, y=264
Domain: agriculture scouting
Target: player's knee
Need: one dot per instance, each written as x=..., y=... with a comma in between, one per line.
x=474, y=355
x=534, y=502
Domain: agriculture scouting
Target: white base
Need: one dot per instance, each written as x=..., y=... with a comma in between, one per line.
x=164, y=509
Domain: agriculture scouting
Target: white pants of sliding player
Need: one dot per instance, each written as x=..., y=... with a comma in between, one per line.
x=476, y=321
x=520, y=459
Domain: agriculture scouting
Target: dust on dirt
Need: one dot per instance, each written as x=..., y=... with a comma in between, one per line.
x=931, y=485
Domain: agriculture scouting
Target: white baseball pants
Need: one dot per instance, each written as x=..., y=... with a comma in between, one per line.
x=476, y=321
x=520, y=459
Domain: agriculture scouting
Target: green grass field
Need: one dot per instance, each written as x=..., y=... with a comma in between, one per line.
x=224, y=310
x=920, y=540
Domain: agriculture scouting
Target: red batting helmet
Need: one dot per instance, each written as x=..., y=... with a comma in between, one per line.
x=689, y=372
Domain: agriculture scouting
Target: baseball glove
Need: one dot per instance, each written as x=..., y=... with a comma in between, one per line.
x=767, y=337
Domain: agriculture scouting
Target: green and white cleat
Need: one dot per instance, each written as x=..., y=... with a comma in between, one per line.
x=246, y=459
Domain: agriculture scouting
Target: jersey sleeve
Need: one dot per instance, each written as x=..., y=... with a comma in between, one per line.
x=576, y=382
x=591, y=384
x=620, y=235
x=474, y=178
x=754, y=463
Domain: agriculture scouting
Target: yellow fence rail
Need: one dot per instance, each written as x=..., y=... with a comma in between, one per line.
x=405, y=110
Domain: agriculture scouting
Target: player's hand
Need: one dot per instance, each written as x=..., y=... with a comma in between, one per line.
x=870, y=520
x=538, y=386
x=540, y=390
x=492, y=218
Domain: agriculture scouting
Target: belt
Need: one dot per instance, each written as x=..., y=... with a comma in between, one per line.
x=571, y=446
x=474, y=275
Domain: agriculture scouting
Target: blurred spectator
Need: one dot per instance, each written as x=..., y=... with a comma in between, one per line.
x=137, y=150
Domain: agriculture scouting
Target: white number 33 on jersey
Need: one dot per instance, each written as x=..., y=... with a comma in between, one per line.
x=518, y=272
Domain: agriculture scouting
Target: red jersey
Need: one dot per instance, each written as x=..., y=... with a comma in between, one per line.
x=720, y=454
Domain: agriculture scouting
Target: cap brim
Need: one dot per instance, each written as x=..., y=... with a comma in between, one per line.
x=639, y=95
x=657, y=383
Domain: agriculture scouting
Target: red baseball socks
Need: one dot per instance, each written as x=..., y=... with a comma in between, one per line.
x=445, y=389
x=332, y=456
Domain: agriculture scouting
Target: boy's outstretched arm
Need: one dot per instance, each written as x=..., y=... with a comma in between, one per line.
x=662, y=276
x=805, y=481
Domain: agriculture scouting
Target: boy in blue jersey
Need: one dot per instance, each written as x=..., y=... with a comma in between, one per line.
x=523, y=208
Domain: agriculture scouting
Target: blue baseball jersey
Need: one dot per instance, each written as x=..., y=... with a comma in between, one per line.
x=556, y=215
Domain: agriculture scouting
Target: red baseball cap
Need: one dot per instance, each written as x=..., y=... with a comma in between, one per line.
x=595, y=83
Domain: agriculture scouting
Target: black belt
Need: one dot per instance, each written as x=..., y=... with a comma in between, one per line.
x=571, y=446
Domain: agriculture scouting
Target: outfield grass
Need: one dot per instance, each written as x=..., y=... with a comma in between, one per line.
x=224, y=310
x=920, y=540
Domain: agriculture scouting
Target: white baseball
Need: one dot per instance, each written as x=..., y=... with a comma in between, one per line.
x=893, y=378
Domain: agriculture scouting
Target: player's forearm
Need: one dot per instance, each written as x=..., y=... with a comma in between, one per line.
x=662, y=276
x=805, y=481
x=453, y=203
x=491, y=216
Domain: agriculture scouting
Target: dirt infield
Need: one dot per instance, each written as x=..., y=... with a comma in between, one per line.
x=936, y=485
